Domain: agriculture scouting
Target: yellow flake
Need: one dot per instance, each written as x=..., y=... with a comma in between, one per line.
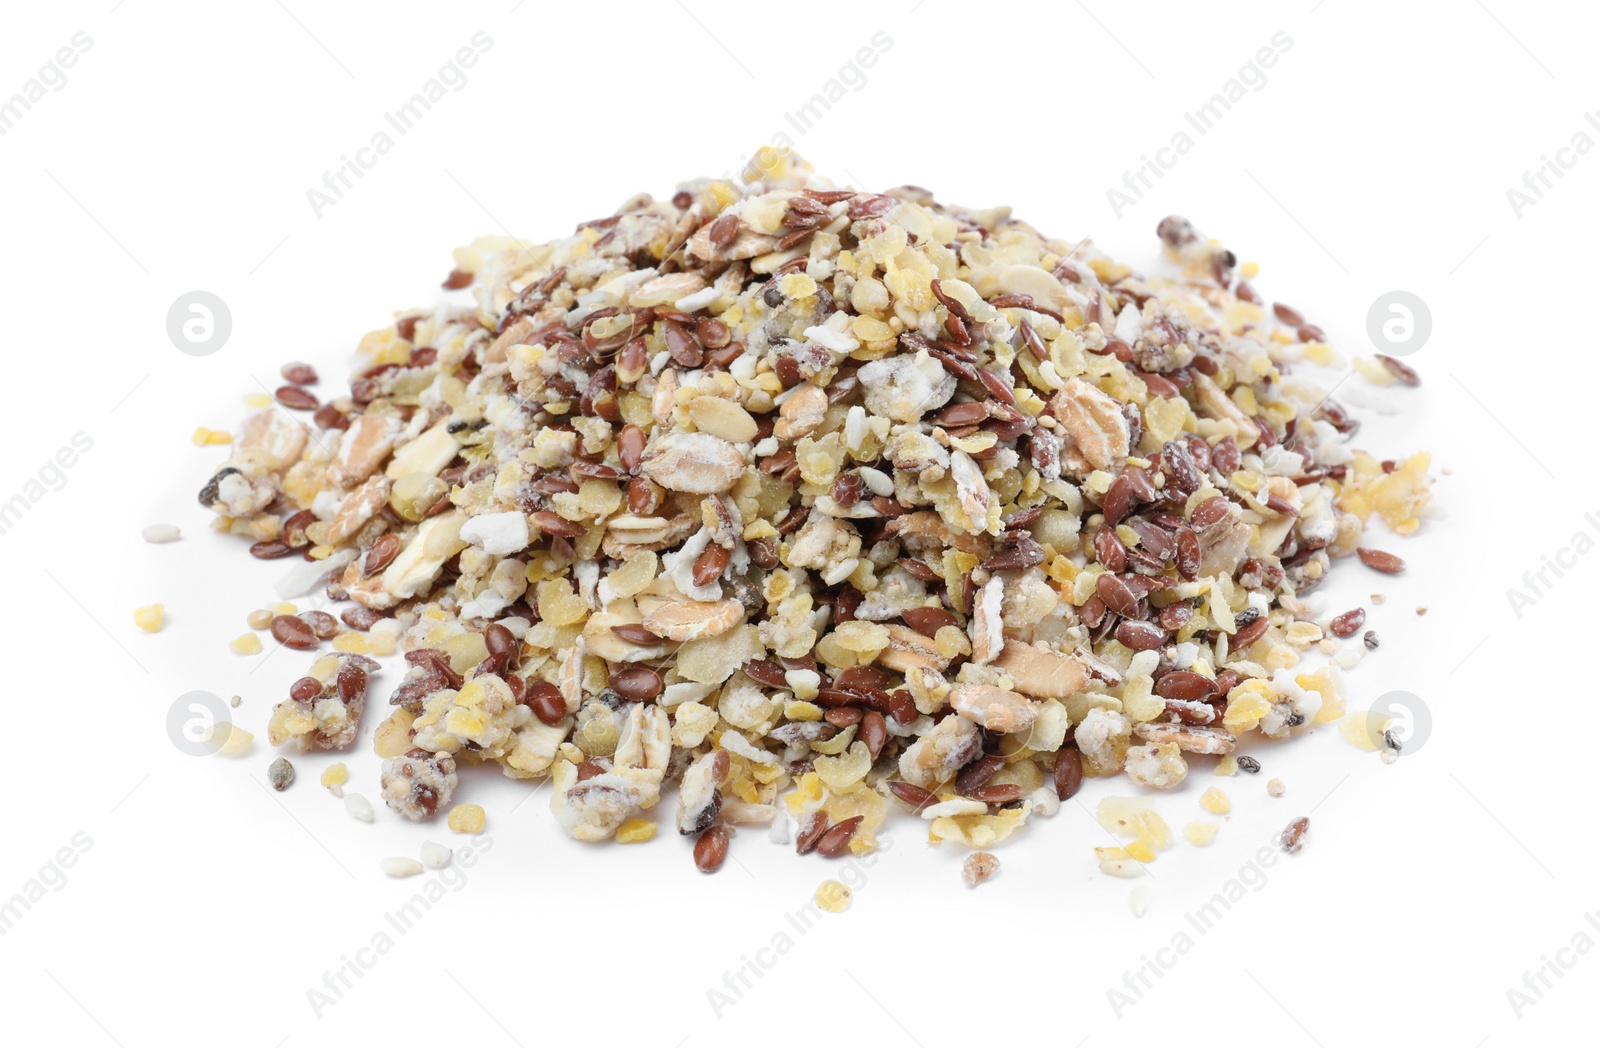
x=1122, y=815
x=1215, y=801
x=952, y=641
x=802, y=711
x=832, y=896
x=635, y=831
x=1373, y=371
x=466, y=818
x=1245, y=709
x=245, y=644
x=1200, y=834
x=1140, y=850
x=150, y=618
x=870, y=329
x=203, y=436
x=558, y=605
x=335, y=774
x=1321, y=353
x=797, y=285
x=233, y=741
x=393, y=736
x=1108, y=271
x=1303, y=634
x=864, y=638
x=1363, y=729
x=1154, y=831
x=351, y=642
x=257, y=401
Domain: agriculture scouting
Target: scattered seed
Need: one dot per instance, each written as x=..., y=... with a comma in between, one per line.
x=380, y=555
x=1346, y=625
x=1400, y=370
x=724, y=231
x=1378, y=560
x=546, y=702
x=1185, y=684
x=928, y=621
x=435, y=856
x=296, y=398
x=837, y=840
x=270, y=549
x=913, y=796
x=1068, y=773
x=299, y=373
x=1293, y=836
x=399, y=867
x=1003, y=793
x=979, y=867
x=160, y=533
x=637, y=683
x=280, y=773
x=711, y=850
x=322, y=624
x=811, y=832
x=1140, y=636
x=502, y=644
x=1250, y=633
x=293, y=632
x=710, y=565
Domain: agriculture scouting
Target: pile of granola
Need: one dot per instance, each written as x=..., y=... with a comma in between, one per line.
x=795, y=497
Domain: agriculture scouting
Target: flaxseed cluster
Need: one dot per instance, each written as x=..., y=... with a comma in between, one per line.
x=795, y=497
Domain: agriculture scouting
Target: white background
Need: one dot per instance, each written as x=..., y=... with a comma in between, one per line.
x=1377, y=156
